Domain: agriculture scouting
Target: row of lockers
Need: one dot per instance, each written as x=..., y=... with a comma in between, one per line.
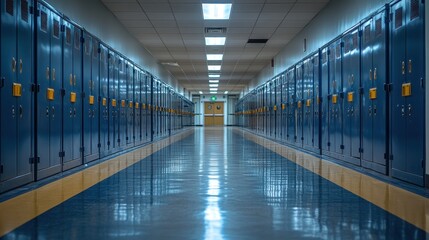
x=359, y=98
x=67, y=98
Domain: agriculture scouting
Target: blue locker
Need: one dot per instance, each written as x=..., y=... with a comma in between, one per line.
x=270, y=111
x=279, y=84
x=104, y=100
x=146, y=122
x=299, y=112
x=138, y=106
x=90, y=91
x=129, y=69
x=374, y=77
x=284, y=107
x=16, y=96
x=335, y=98
x=49, y=105
x=113, y=103
x=308, y=103
x=72, y=96
x=291, y=105
x=316, y=102
x=351, y=92
x=122, y=106
x=325, y=111
x=407, y=96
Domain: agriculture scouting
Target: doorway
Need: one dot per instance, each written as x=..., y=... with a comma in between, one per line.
x=213, y=113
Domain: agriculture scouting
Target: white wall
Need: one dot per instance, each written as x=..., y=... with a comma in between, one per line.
x=334, y=19
x=99, y=21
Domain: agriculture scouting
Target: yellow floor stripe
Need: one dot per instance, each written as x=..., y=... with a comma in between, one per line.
x=21, y=209
x=406, y=205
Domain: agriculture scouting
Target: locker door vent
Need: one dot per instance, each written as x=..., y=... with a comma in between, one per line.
x=366, y=33
x=76, y=39
x=414, y=9
x=68, y=35
x=24, y=10
x=398, y=18
x=355, y=40
x=378, y=27
x=44, y=21
x=56, y=30
x=9, y=7
x=95, y=49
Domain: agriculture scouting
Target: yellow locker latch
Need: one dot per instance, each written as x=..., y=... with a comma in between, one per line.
x=350, y=97
x=104, y=101
x=299, y=104
x=334, y=99
x=275, y=108
x=308, y=103
x=406, y=89
x=372, y=93
x=283, y=106
x=72, y=97
x=50, y=94
x=113, y=102
x=16, y=90
x=144, y=106
x=123, y=103
x=91, y=100
x=137, y=105
x=130, y=104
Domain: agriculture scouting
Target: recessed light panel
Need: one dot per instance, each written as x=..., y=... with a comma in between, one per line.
x=215, y=40
x=214, y=57
x=213, y=92
x=226, y=92
x=201, y=92
x=214, y=75
x=214, y=67
x=213, y=85
x=216, y=11
x=213, y=89
x=213, y=81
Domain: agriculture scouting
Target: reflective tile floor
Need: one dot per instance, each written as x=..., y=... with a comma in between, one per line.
x=216, y=183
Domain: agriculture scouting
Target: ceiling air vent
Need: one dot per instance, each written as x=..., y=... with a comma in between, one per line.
x=215, y=30
x=257, y=40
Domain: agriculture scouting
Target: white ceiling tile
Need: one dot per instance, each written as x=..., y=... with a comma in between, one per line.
x=163, y=24
x=283, y=8
x=131, y=16
x=123, y=6
x=245, y=7
x=155, y=7
x=164, y=16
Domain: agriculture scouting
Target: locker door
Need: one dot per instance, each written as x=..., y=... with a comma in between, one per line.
x=351, y=85
x=279, y=108
x=16, y=106
x=291, y=105
x=299, y=105
x=407, y=40
x=374, y=107
x=122, y=106
x=284, y=107
x=335, y=103
x=316, y=102
x=104, y=101
x=137, y=107
x=325, y=111
x=308, y=102
x=94, y=103
x=130, y=103
x=113, y=102
x=72, y=102
x=49, y=74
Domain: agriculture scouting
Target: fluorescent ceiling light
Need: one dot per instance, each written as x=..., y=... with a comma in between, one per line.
x=201, y=92
x=214, y=57
x=216, y=11
x=226, y=92
x=214, y=67
x=215, y=40
x=213, y=92
x=213, y=89
x=214, y=75
x=213, y=85
x=213, y=81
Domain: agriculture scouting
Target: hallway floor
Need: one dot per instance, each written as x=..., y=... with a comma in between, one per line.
x=215, y=183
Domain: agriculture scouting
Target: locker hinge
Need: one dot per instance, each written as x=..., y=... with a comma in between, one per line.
x=361, y=150
x=119, y=140
x=109, y=56
x=63, y=28
x=2, y=82
x=302, y=139
x=329, y=52
x=387, y=17
x=82, y=40
x=360, y=33
x=82, y=149
x=62, y=154
x=126, y=138
x=342, y=146
x=99, y=50
x=295, y=137
x=385, y=156
x=361, y=91
x=34, y=160
x=329, y=144
x=388, y=87
x=1, y=169
x=63, y=92
x=341, y=94
x=423, y=164
x=108, y=143
x=391, y=157
x=422, y=83
x=342, y=44
x=83, y=94
x=35, y=88
x=329, y=97
x=99, y=145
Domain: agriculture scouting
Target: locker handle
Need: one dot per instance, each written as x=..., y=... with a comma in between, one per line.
x=47, y=73
x=403, y=68
x=71, y=80
x=20, y=111
x=20, y=65
x=74, y=80
x=410, y=66
x=13, y=65
x=375, y=73
x=47, y=111
x=53, y=111
x=53, y=74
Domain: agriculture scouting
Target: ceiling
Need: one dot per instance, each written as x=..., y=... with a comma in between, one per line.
x=173, y=31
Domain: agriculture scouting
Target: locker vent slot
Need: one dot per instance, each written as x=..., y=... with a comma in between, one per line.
x=366, y=33
x=76, y=39
x=378, y=27
x=88, y=46
x=24, y=10
x=95, y=48
x=43, y=21
x=398, y=18
x=9, y=7
x=68, y=35
x=414, y=9
x=355, y=40
x=338, y=50
x=56, y=30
